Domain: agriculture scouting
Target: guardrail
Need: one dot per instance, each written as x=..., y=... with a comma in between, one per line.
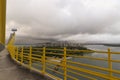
x=40, y=60
x=63, y=63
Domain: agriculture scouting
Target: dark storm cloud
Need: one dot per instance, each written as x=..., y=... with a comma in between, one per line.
x=65, y=19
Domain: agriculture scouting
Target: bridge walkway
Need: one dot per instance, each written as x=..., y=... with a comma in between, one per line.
x=10, y=71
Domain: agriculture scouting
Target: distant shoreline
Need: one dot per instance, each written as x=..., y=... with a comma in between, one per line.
x=112, y=45
x=104, y=44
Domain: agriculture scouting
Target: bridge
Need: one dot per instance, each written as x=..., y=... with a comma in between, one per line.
x=41, y=63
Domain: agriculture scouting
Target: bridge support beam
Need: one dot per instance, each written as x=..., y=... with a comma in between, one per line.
x=2, y=20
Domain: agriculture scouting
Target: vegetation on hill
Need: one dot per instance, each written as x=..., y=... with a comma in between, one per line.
x=57, y=51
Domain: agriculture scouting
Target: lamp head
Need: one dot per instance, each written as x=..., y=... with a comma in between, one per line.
x=14, y=30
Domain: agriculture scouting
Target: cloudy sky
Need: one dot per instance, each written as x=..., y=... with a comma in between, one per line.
x=79, y=20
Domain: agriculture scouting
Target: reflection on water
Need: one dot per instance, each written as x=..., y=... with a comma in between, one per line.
x=102, y=47
x=116, y=66
x=91, y=62
x=94, y=62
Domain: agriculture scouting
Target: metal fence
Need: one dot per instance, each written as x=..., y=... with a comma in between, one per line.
x=64, y=64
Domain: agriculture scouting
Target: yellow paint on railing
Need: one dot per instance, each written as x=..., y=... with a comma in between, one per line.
x=16, y=53
x=30, y=57
x=65, y=65
x=63, y=68
x=22, y=49
x=43, y=60
x=109, y=63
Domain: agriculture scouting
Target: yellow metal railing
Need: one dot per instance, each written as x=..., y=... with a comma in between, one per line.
x=64, y=68
x=43, y=60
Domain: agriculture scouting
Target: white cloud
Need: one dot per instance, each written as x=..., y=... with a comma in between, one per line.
x=84, y=20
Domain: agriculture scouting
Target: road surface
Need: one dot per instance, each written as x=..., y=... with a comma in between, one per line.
x=11, y=71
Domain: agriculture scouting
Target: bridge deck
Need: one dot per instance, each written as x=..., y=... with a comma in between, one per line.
x=11, y=71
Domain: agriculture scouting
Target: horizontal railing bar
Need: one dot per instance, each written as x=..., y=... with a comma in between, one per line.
x=26, y=53
x=25, y=56
x=54, y=63
x=54, y=53
x=36, y=55
x=26, y=50
x=37, y=51
x=74, y=50
x=118, y=61
x=92, y=72
x=107, y=52
x=88, y=57
x=81, y=75
x=115, y=52
x=95, y=67
x=54, y=49
x=93, y=51
x=36, y=59
x=38, y=48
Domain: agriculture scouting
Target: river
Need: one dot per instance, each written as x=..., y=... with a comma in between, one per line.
x=99, y=63
x=116, y=66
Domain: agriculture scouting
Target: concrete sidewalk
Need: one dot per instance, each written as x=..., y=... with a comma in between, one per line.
x=11, y=71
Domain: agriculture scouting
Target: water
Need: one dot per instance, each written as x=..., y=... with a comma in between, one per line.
x=102, y=47
x=104, y=64
x=115, y=66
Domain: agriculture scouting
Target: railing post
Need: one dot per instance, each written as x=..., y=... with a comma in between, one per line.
x=16, y=53
x=109, y=63
x=22, y=55
x=13, y=52
x=65, y=64
x=43, y=59
x=30, y=57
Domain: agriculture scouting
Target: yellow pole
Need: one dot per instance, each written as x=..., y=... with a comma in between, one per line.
x=22, y=55
x=109, y=63
x=11, y=43
x=65, y=64
x=43, y=60
x=16, y=53
x=13, y=51
x=2, y=20
x=30, y=57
